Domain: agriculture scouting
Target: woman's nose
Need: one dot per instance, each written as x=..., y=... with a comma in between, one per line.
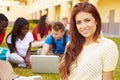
x=83, y=25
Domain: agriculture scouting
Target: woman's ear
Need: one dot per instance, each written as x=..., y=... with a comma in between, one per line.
x=96, y=23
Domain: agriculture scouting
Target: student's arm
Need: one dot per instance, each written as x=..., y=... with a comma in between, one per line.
x=27, y=57
x=45, y=49
x=10, y=47
x=107, y=75
x=9, y=43
x=28, y=51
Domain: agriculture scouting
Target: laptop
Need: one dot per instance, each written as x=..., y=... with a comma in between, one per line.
x=44, y=63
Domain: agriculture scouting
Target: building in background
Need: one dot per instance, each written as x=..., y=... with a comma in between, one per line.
x=56, y=9
x=14, y=9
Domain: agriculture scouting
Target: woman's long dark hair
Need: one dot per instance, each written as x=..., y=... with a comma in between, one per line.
x=16, y=31
x=77, y=40
x=42, y=25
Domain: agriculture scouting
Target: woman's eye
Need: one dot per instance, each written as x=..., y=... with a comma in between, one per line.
x=87, y=20
x=78, y=22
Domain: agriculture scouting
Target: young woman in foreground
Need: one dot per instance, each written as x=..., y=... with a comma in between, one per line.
x=88, y=56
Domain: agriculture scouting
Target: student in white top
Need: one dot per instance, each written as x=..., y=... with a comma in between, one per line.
x=88, y=55
x=19, y=42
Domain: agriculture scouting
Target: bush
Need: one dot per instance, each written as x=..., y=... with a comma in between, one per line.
x=35, y=21
x=31, y=26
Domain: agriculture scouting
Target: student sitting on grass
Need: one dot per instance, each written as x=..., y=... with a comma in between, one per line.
x=40, y=31
x=57, y=40
x=3, y=26
x=6, y=70
x=19, y=42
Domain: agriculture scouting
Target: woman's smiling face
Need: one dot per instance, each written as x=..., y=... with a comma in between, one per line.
x=24, y=29
x=86, y=24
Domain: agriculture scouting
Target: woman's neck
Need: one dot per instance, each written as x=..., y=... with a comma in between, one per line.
x=88, y=41
x=21, y=37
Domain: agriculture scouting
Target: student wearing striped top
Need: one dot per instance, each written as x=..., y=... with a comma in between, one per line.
x=88, y=55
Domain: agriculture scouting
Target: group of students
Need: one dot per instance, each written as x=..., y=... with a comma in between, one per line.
x=20, y=40
x=87, y=55
x=19, y=31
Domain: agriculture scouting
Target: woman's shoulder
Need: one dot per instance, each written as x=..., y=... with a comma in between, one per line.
x=9, y=35
x=29, y=33
x=107, y=41
x=29, y=36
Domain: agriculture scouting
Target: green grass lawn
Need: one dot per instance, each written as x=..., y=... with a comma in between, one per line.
x=116, y=75
x=27, y=72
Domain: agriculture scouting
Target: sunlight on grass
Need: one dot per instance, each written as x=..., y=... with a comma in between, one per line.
x=28, y=72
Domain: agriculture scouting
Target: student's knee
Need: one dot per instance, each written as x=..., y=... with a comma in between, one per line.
x=14, y=58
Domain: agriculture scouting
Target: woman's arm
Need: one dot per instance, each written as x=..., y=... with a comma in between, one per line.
x=107, y=75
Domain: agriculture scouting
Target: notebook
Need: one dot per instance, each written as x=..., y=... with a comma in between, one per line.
x=44, y=63
x=4, y=53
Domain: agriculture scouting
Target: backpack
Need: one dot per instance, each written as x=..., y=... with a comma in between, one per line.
x=64, y=41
